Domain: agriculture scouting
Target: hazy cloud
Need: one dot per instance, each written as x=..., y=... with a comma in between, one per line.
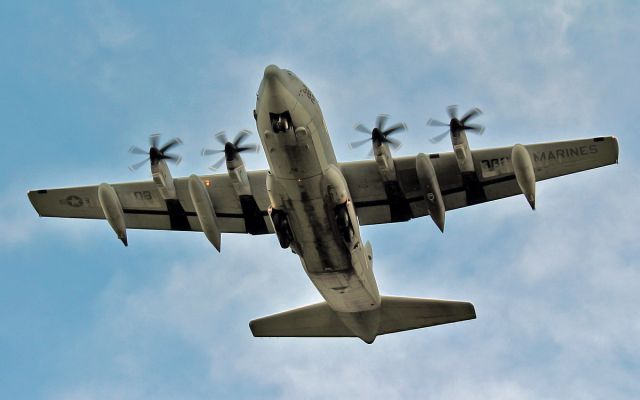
x=556, y=306
x=555, y=289
x=112, y=26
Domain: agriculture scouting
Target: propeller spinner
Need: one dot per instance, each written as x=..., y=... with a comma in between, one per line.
x=457, y=125
x=379, y=134
x=231, y=149
x=156, y=153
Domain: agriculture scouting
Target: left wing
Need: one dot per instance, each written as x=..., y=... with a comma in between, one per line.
x=378, y=203
x=145, y=208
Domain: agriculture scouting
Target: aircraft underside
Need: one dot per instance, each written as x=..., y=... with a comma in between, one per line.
x=316, y=205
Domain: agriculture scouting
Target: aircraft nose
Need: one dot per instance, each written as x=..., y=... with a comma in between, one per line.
x=271, y=72
x=275, y=94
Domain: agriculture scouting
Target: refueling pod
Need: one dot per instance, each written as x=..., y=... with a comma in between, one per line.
x=525, y=174
x=204, y=210
x=112, y=209
x=430, y=189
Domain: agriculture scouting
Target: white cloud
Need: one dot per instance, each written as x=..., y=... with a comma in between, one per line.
x=519, y=57
x=555, y=303
x=16, y=230
x=19, y=221
x=112, y=26
x=555, y=311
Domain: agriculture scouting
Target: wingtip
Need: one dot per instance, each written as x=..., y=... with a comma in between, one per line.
x=473, y=312
x=252, y=327
x=32, y=195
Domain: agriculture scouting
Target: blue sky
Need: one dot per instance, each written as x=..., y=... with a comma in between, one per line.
x=556, y=290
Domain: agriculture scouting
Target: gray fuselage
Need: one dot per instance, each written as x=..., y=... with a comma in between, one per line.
x=306, y=185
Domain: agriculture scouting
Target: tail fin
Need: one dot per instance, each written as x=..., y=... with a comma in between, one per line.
x=395, y=314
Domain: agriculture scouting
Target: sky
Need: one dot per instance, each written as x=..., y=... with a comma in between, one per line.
x=555, y=290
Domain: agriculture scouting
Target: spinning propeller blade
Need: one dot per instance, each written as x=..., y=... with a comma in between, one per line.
x=379, y=134
x=231, y=149
x=457, y=125
x=155, y=154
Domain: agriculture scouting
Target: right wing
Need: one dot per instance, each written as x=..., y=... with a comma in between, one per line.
x=145, y=208
x=377, y=203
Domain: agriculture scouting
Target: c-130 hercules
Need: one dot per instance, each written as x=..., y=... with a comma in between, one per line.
x=316, y=205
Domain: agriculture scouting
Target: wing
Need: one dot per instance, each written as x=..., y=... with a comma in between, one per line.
x=377, y=202
x=145, y=208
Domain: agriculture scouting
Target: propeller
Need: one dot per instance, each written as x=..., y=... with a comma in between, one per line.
x=155, y=152
x=379, y=134
x=457, y=125
x=231, y=149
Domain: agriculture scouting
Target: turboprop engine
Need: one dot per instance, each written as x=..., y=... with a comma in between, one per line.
x=381, y=140
x=157, y=156
x=456, y=130
x=235, y=165
x=231, y=151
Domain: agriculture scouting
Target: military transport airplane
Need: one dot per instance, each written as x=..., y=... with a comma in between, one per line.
x=315, y=205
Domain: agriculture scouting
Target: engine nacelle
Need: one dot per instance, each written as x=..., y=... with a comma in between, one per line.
x=430, y=189
x=163, y=179
x=112, y=209
x=385, y=163
x=525, y=174
x=238, y=175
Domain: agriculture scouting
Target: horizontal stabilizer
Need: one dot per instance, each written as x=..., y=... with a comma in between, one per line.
x=395, y=314
x=315, y=320
x=405, y=313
